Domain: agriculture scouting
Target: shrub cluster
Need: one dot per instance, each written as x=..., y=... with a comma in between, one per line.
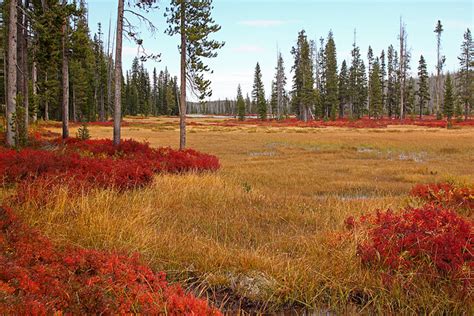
x=445, y=194
x=430, y=242
x=96, y=163
x=364, y=122
x=39, y=279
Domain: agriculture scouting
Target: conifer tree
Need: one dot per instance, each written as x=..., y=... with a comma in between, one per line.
x=331, y=80
x=303, y=81
x=448, y=105
x=357, y=84
x=370, y=60
x=383, y=73
x=280, y=82
x=240, y=104
x=466, y=73
x=423, y=86
x=344, y=95
x=392, y=80
x=375, y=91
x=411, y=97
x=258, y=93
x=193, y=22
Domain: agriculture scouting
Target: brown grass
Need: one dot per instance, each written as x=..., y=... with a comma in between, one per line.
x=267, y=227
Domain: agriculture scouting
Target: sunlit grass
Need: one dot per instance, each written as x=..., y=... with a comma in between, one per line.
x=269, y=224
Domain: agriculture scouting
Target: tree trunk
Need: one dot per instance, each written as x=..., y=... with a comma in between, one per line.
x=65, y=79
x=182, y=98
x=19, y=50
x=46, y=103
x=26, y=96
x=12, y=72
x=402, y=68
x=73, y=98
x=118, y=74
x=34, y=78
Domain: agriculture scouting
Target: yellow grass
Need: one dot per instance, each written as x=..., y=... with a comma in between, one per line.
x=268, y=225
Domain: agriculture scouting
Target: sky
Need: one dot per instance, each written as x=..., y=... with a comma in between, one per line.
x=254, y=30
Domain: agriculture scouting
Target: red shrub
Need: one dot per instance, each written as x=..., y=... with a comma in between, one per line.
x=364, y=122
x=37, y=278
x=445, y=194
x=96, y=163
x=28, y=165
x=431, y=241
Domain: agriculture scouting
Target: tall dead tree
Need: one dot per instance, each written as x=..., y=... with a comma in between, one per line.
x=12, y=72
x=439, y=64
x=402, y=67
x=118, y=74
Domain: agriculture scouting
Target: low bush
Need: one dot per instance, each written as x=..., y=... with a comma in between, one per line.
x=37, y=278
x=97, y=163
x=445, y=194
x=430, y=243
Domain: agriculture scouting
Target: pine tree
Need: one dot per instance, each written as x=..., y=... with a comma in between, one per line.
x=280, y=82
x=303, y=81
x=439, y=65
x=331, y=80
x=423, y=86
x=411, y=97
x=258, y=93
x=193, y=22
x=466, y=73
x=383, y=73
x=344, y=95
x=240, y=104
x=357, y=84
x=370, y=60
x=392, y=80
x=274, y=99
x=375, y=91
x=448, y=106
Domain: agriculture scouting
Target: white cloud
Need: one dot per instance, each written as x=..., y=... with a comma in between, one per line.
x=248, y=49
x=263, y=23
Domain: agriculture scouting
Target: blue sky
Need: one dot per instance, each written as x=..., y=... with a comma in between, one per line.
x=253, y=29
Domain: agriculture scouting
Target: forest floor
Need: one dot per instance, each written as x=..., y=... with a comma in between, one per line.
x=266, y=231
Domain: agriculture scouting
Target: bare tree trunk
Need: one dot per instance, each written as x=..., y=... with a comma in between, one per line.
x=65, y=78
x=20, y=49
x=109, y=74
x=402, y=67
x=34, y=79
x=46, y=103
x=12, y=72
x=118, y=74
x=74, y=112
x=182, y=98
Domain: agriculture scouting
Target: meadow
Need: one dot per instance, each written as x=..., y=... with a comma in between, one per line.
x=267, y=231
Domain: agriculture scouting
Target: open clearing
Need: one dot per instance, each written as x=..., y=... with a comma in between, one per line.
x=268, y=228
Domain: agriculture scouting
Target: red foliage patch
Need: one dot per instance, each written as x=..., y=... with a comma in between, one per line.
x=430, y=241
x=445, y=194
x=96, y=163
x=365, y=122
x=37, y=278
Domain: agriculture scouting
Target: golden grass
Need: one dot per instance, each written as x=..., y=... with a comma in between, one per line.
x=268, y=224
